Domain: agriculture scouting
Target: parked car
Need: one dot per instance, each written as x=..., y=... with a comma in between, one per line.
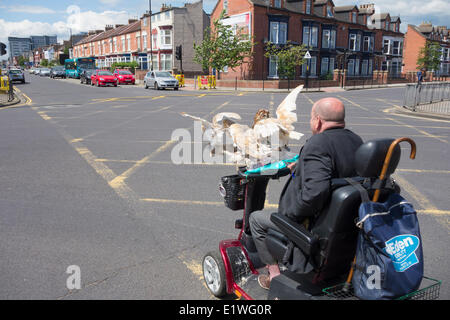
x=31, y=70
x=103, y=78
x=16, y=75
x=44, y=72
x=124, y=76
x=58, y=72
x=85, y=76
x=160, y=80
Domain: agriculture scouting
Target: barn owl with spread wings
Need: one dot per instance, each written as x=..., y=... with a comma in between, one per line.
x=257, y=145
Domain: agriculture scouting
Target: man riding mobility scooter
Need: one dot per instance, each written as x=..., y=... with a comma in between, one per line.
x=316, y=259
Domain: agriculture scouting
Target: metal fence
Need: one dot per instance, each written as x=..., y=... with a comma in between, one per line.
x=430, y=97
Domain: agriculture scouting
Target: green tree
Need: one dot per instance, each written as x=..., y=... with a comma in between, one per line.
x=289, y=56
x=21, y=60
x=44, y=62
x=221, y=47
x=430, y=57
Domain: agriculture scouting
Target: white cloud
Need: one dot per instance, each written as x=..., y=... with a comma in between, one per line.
x=79, y=21
x=110, y=2
x=31, y=9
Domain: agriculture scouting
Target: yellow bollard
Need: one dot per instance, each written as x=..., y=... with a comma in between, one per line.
x=4, y=83
x=212, y=82
x=180, y=78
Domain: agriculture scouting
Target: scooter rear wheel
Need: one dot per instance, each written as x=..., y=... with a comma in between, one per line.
x=214, y=273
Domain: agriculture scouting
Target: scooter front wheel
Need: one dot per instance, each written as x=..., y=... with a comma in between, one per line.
x=214, y=273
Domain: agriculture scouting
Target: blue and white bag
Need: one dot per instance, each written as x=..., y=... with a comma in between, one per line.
x=389, y=257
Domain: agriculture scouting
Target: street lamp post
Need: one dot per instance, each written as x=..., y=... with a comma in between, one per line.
x=151, y=34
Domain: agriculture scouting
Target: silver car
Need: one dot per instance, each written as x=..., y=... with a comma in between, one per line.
x=16, y=75
x=160, y=80
x=45, y=72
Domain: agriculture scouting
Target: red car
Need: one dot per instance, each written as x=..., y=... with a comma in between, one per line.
x=103, y=78
x=124, y=76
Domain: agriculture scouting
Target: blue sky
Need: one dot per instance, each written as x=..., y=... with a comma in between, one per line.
x=37, y=17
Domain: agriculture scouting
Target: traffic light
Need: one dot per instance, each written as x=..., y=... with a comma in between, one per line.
x=2, y=48
x=178, y=52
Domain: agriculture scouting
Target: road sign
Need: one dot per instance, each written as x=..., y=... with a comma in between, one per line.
x=307, y=55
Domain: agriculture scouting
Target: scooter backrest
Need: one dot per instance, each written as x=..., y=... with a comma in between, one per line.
x=371, y=155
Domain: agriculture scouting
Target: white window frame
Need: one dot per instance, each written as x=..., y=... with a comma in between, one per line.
x=278, y=30
x=166, y=37
x=352, y=38
x=273, y=67
x=324, y=66
x=166, y=61
x=308, y=7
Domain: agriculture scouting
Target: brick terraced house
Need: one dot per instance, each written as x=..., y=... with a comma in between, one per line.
x=353, y=39
x=416, y=38
x=170, y=27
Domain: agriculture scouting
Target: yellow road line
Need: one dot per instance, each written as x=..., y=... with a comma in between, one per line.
x=415, y=194
x=424, y=171
x=419, y=130
x=120, y=179
x=308, y=98
x=434, y=212
x=354, y=103
x=197, y=202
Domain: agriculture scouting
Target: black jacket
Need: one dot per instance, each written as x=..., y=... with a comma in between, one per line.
x=324, y=156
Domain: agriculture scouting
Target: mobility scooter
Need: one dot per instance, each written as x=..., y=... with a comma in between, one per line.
x=328, y=242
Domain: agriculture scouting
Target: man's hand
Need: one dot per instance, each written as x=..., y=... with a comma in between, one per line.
x=292, y=166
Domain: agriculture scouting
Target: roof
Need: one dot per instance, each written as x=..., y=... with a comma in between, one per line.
x=379, y=16
x=135, y=26
x=345, y=8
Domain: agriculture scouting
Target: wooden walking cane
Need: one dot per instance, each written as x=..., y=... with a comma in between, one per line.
x=376, y=195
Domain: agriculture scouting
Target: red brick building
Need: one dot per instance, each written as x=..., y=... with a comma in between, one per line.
x=334, y=34
x=416, y=38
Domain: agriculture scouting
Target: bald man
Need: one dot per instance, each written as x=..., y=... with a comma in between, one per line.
x=328, y=154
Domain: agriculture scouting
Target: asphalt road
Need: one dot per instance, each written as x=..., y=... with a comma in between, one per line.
x=88, y=180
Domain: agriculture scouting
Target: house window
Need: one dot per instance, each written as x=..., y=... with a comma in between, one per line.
x=396, y=50
x=324, y=66
x=166, y=62
x=328, y=39
x=138, y=42
x=354, y=17
x=308, y=6
x=312, y=64
x=352, y=44
x=331, y=68
x=310, y=35
x=273, y=67
x=370, y=67
x=123, y=44
x=364, y=67
x=277, y=3
x=225, y=6
x=278, y=32
x=387, y=25
x=166, y=37
x=144, y=40
x=129, y=42
x=356, y=67
x=387, y=46
x=330, y=11
x=351, y=67
x=366, y=44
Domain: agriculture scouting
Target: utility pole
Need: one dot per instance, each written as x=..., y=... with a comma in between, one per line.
x=151, y=33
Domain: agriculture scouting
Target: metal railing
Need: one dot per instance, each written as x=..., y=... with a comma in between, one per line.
x=430, y=97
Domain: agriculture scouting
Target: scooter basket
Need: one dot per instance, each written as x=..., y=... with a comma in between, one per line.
x=232, y=189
